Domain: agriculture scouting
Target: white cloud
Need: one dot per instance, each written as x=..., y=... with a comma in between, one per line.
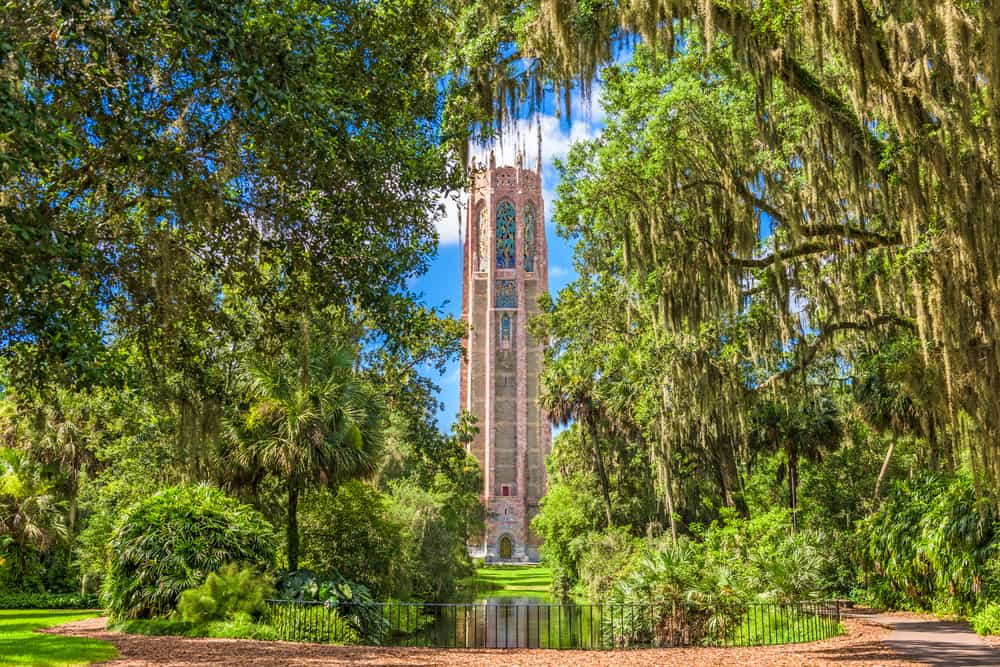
x=450, y=223
x=558, y=272
x=557, y=137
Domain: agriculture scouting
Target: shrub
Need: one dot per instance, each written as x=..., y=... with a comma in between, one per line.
x=48, y=601
x=169, y=543
x=932, y=542
x=986, y=621
x=352, y=601
x=224, y=595
x=605, y=558
x=348, y=529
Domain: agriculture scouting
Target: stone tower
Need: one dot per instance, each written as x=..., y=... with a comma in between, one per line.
x=505, y=269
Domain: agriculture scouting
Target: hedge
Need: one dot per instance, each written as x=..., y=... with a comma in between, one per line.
x=48, y=601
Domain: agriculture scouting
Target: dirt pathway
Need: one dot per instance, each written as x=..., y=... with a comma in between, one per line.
x=933, y=642
x=862, y=646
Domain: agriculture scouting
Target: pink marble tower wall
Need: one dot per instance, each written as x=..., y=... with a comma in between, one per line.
x=500, y=379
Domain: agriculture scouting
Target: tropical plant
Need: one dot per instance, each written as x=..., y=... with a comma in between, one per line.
x=231, y=591
x=309, y=418
x=986, y=620
x=172, y=541
x=807, y=429
x=931, y=545
x=349, y=600
x=31, y=517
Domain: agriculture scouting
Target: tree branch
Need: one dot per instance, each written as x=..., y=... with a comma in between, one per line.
x=870, y=322
x=738, y=23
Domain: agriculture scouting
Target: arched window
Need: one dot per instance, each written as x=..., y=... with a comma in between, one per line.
x=528, y=236
x=483, y=240
x=505, y=235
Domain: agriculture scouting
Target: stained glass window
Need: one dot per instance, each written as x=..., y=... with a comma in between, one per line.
x=528, y=236
x=505, y=235
x=505, y=331
x=506, y=294
x=483, y=237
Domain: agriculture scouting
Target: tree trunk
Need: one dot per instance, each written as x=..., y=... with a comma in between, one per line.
x=293, y=526
x=793, y=481
x=885, y=467
x=668, y=491
x=601, y=472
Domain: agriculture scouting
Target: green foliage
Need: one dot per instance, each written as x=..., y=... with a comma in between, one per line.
x=931, y=545
x=225, y=594
x=733, y=560
x=171, y=541
x=48, y=601
x=986, y=620
x=308, y=416
x=347, y=606
x=247, y=195
x=325, y=623
x=349, y=531
x=434, y=549
x=21, y=644
x=605, y=558
x=31, y=518
x=569, y=511
x=406, y=618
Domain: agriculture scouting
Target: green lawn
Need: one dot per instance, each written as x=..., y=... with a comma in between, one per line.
x=19, y=645
x=525, y=580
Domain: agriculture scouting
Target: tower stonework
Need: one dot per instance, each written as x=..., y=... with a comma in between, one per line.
x=505, y=269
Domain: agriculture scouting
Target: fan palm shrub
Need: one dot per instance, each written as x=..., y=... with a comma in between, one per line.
x=31, y=518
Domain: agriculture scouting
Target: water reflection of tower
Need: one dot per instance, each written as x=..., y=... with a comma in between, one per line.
x=505, y=269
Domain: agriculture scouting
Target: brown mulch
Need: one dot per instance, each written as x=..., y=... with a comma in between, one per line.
x=861, y=647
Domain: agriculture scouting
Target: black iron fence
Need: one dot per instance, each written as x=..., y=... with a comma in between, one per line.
x=522, y=624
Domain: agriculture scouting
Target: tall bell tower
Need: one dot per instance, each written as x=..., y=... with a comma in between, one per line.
x=505, y=269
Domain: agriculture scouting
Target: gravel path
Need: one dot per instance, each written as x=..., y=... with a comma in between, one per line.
x=934, y=642
x=862, y=646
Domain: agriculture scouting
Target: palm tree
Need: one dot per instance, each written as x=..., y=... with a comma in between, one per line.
x=807, y=429
x=30, y=516
x=567, y=395
x=307, y=420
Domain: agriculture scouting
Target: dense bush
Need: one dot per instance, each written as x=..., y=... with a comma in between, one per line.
x=931, y=545
x=605, y=558
x=169, y=543
x=569, y=512
x=224, y=595
x=986, y=621
x=48, y=601
x=348, y=530
x=433, y=553
x=733, y=558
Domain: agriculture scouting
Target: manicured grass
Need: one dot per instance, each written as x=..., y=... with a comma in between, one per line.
x=20, y=645
x=514, y=579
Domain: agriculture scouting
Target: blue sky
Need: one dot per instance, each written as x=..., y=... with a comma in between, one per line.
x=442, y=285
